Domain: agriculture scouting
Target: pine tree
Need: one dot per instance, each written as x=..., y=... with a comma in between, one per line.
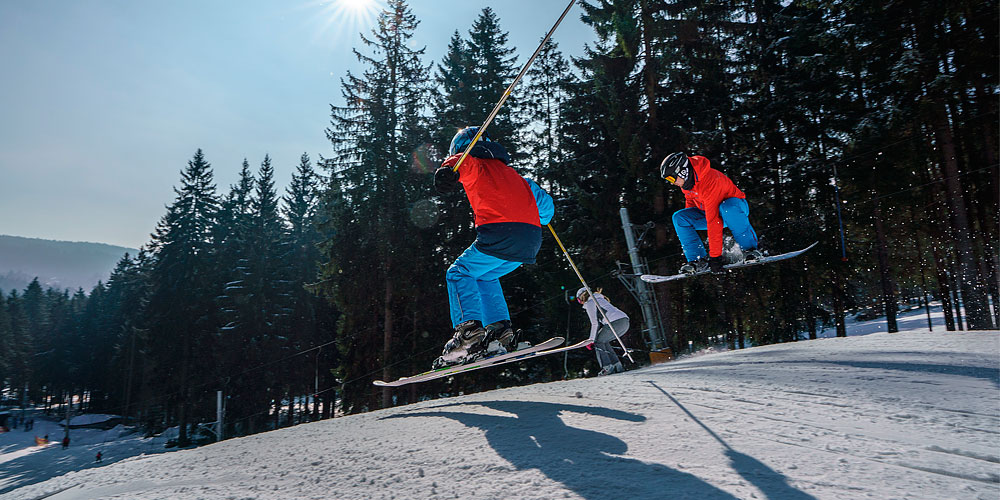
x=268, y=282
x=310, y=317
x=6, y=339
x=492, y=69
x=232, y=241
x=19, y=352
x=126, y=299
x=374, y=135
x=182, y=312
x=454, y=98
x=39, y=332
x=256, y=297
x=546, y=96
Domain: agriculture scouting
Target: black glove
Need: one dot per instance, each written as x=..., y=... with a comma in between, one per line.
x=445, y=180
x=715, y=265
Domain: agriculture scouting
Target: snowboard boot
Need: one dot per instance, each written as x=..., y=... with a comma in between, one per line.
x=464, y=344
x=694, y=267
x=752, y=255
x=500, y=338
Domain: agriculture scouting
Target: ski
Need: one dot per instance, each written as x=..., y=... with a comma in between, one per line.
x=655, y=278
x=548, y=347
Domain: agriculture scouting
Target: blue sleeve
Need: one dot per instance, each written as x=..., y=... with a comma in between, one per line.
x=546, y=208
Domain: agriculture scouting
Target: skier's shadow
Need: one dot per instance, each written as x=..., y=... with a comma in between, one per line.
x=585, y=461
x=772, y=483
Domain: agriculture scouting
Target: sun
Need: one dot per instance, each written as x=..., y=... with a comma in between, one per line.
x=341, y=20
x=354, y=15
x=357, y=5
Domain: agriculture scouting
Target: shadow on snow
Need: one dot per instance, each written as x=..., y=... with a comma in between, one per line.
x=589, y=462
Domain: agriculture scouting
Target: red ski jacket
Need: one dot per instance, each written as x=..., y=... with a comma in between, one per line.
x=496, y=191
x=510, y=210
x=711, y=188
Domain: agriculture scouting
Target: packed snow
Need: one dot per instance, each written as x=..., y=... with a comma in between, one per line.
x=914, y=414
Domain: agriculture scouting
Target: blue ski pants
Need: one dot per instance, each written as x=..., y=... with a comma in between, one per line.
x=735, y=215
x=474, y=287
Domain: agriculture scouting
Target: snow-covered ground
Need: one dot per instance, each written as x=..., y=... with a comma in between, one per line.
x=22, y=462
x=914, y=414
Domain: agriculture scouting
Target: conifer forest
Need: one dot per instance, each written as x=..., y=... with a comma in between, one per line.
x=868, y=126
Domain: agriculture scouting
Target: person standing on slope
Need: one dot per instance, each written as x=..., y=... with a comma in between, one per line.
x=601, y=332
x=713, y=202
x=510, y=211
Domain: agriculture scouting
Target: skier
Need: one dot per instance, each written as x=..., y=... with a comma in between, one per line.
x=712, y=202
x=510, y=211
x=600, y=332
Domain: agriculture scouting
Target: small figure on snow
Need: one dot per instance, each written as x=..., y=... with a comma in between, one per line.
x=99, y=456
x=510, y=211
x=601, y=332
x=712, y=203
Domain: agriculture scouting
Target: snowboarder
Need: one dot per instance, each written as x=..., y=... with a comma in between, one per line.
x=510, y=211
x=600, y=332
x=712, y=203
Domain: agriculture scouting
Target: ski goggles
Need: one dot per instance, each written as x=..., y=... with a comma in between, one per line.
x=671, y=179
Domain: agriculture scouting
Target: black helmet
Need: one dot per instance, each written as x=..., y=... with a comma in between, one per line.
x=675, y=165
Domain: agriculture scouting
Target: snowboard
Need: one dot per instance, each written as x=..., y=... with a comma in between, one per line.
x=545, y=348
x=655, y=278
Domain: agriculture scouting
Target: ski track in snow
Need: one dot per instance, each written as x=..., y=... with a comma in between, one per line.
x=911, y=415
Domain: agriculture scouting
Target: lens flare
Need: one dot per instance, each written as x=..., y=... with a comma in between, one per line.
x=422, y=159
x=424, y=213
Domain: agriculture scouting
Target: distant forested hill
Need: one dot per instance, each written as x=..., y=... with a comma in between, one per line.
x=56, y=264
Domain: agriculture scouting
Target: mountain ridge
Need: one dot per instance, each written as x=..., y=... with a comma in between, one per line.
x=57, y=264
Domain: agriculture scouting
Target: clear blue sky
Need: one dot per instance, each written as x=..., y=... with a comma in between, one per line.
x=102, y=103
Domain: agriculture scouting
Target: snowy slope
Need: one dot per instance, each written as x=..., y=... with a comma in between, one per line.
x=914, y=414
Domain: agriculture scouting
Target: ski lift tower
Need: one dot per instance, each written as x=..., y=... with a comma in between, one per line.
x=639, y=289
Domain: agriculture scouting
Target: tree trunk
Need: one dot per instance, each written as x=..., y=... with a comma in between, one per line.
x=387, y=343
x=923, y=284
x=944, y=289
x=888, y=297
x=182, y=438
x=276, y=422
x=725, y=286
x=740, y=338
x=649, y=65
x=996, y=289
x=973, y=289
x=957, y=298
x=810, y=316
x=838, y=302
x=413, y=395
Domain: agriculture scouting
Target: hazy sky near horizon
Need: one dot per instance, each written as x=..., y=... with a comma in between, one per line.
x=103, y=102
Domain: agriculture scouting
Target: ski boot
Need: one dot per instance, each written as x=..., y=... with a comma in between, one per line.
x=694, y=267
x=500, y=338
x=752, y=255
x=463, y=346
x=611, y=369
